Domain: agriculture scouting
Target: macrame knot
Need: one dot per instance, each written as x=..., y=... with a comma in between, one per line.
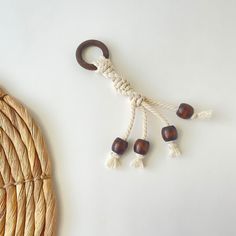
x=122, y=86
x=137, y=99
x=104, y=66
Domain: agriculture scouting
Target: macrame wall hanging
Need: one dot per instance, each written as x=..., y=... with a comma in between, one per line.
x=137, y=101
x=27, y=201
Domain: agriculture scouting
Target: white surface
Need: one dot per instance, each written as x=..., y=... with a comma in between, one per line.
x=173, y=50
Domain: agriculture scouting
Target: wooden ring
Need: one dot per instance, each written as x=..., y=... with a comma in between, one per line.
x=86, y=44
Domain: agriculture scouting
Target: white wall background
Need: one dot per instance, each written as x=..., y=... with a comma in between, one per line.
x=173, y=50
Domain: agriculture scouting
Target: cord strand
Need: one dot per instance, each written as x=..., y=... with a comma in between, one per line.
x=144, y=128
x=131, y=122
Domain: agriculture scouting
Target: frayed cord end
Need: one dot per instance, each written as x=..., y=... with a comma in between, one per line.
x=174, y=150
x=137, y=162
x=113, y=161
x=202, y=115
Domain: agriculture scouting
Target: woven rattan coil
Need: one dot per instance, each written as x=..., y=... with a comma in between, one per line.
x=27, y=200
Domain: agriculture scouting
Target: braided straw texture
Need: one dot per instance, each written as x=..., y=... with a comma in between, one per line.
x=27, y=201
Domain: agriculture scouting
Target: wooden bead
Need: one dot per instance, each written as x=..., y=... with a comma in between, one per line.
x=141, y=146
x=169, y=133
x=119, y=146
x=185, y=111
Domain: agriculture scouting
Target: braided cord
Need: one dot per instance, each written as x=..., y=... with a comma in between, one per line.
x=131, y=122
x=156, y=113
x=162, y=105
x=122, y=86
x=144, y=134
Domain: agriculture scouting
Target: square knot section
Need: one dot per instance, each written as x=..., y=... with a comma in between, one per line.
x=137, y=99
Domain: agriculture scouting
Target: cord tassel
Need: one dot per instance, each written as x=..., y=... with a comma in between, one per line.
x=141, y=147
x=113, y=161
x=118, y=148
x=174, y=150
x=202, y=115
x=170, y=135
x=137, y=162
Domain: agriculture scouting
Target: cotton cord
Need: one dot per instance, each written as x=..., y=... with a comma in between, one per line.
x=138, y=161
x=131, y=121
x=27, y=200
x=202, y=115
x=113, y=161
x=174, y=150
x=144, y=136
x=122, y=86
x=162, y=105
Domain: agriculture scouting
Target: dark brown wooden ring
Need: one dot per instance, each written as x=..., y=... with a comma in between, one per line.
x=86, y=44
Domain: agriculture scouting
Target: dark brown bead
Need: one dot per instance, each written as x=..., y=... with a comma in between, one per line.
x=119, y=146
x=141, y=146
x=185, y=111
x=169, y=133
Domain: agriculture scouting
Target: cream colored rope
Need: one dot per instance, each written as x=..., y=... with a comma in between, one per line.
x=144, y=135
x=105, y=67
x=131, y=122
x=137, y=100
x=27, y=201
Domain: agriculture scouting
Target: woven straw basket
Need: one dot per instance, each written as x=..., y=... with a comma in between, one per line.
x=27, y=201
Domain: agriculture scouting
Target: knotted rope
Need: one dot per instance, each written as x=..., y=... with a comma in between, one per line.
x=122, y=86
x=27, y=201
